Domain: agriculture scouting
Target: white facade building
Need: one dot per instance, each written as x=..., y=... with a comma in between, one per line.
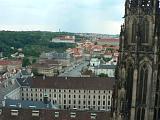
x=64, y=39
x=71, y=93
x=105, y=69
x=94, y=62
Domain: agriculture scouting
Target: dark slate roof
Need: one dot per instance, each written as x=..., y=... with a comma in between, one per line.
x=106, y=67
x=28, y=104
x=25, y=72
x=46, y=114
x=86, y=83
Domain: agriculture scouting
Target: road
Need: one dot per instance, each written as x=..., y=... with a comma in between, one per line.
x=74, y=71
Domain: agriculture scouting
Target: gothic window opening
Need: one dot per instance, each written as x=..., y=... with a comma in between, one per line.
x=129, y=85
x=134, y=30
x=138, y=113
x=155, y=113
x=143, y=114
x=145, y=31
x=157, y=85
x=146, y=3
x=143, y=84
x=142, y=92
x=134, y=3
x=158, y=113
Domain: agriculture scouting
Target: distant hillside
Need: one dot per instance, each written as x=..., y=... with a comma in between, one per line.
x=32, y=42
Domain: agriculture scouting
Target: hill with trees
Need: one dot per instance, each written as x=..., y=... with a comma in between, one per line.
x=32, y=42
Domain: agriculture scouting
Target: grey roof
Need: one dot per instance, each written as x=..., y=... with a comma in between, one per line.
x=56, y=55
x=5, y=90
x=105, y=67
x=25, y=72
x=28, y=104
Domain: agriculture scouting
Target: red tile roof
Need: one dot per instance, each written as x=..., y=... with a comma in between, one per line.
x=108, y=40
x=9, y=62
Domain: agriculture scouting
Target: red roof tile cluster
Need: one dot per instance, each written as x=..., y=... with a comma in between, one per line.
x=10, y=62
x=108, y=40
x=76, y=52
x=97, y=48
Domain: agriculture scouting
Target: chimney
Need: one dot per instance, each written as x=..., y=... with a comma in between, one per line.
x=19, y=105
x=3, y=103
x=44, y=77
x=12, y=81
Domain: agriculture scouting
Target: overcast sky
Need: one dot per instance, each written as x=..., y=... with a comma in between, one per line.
x=94, y=16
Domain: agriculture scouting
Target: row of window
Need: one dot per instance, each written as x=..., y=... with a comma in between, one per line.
x=73, y=91
x=88, y=107
x=89, y=102
x=75, y=102
x=69, y=96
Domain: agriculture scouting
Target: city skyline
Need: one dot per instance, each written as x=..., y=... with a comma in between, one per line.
x=98, y=16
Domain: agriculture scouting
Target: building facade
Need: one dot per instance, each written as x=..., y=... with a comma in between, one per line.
x=70, y=93
x=137, y=91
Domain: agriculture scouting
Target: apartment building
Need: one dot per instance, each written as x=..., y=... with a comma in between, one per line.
x=70, y=93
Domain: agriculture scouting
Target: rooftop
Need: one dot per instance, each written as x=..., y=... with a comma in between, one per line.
x=5, y=90
x=106, y=67
x=108, y=40
x=94, y=83
x=10, y=62
x=29, y=114
x=28, y=104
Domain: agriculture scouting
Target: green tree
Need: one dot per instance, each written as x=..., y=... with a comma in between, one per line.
x=26, y=62
x=103, y=75
x=34, y=61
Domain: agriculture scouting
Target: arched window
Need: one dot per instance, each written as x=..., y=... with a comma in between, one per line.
x=146, y=3
x=134, y=31
x=142, y=85
x=134, y=3
x=129, y=85
x=142, y=92
x=145, y=31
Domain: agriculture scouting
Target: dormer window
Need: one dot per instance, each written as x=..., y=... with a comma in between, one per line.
x=14, y=112
x=56, y=114
x=35, y=113
x=73, y=115
x=0, y=111
x=93, y=115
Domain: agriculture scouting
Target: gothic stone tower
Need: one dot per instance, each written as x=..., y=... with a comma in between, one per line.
x=137, y=89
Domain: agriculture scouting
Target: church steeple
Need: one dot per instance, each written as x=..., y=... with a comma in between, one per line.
x=139, y=62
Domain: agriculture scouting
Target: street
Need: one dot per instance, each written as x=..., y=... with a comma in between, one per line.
x=74, y=71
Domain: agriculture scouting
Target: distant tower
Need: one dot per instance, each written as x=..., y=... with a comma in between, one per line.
x=137, y=90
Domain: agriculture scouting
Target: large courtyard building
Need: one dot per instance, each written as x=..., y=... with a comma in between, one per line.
x=137, y=91
x=70, y=93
